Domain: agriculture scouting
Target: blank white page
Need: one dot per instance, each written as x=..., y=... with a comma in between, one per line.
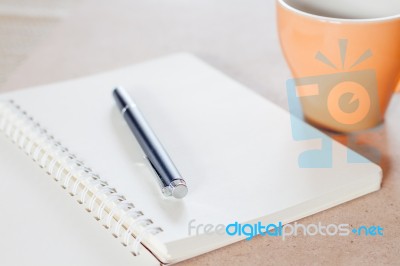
x=234, y=148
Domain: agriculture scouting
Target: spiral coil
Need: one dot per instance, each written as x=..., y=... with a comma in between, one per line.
x=109, y=207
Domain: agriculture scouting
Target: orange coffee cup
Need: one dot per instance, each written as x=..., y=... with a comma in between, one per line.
x=344, y=56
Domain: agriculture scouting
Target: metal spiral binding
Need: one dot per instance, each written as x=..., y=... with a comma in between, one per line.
x=122, y=218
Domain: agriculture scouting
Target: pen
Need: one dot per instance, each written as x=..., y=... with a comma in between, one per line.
x=168, y=177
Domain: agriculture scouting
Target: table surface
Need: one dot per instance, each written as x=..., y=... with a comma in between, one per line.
x=239, y=38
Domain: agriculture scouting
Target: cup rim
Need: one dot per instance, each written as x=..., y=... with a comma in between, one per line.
x=337, y=20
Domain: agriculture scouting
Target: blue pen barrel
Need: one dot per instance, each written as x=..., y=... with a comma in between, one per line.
x=148, y=141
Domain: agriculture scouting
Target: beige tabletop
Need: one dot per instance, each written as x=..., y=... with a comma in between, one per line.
x=238, y=37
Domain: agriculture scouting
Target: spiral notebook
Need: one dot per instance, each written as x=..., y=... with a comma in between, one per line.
x=234, y=148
